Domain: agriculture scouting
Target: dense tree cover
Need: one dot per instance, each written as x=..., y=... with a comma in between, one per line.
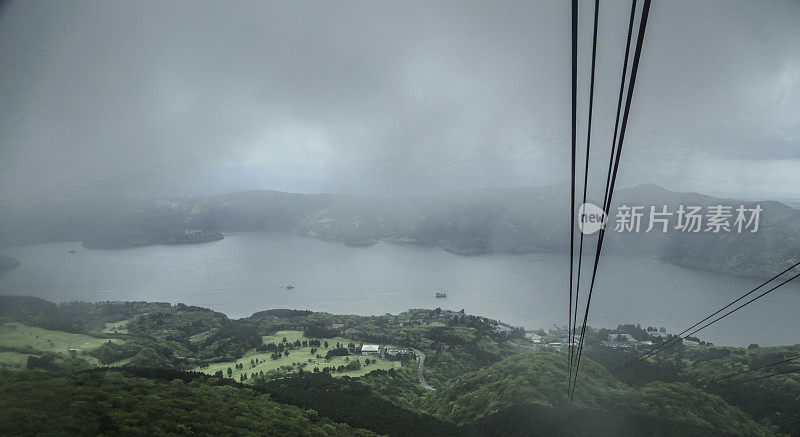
x=682, y=403
x=348, y=401
x=319, y=329
x=232, y=339
x=56, y=363
x=176, y=323
x=89, y=318
x=114, y=402
x=540, y=379
x=70, y=317
x=337, y=352
x=139, y=352
x=522, y=420
x=775, y=399
x=156, y=334
x=525, y=377
x=468, y=344
x=400, y=387
x=282, y=313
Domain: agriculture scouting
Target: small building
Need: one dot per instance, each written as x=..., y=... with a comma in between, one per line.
x=555, y=345
x=337, y=325
x=370, y=349
x=503, y=329
x=624, y=338
x=394, y=352
x=534, y=337
x=616, y=344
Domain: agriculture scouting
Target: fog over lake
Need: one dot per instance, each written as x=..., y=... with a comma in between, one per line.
x=249, y=272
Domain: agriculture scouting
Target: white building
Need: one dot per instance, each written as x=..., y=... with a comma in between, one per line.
x=370, y=349
x=394, y=352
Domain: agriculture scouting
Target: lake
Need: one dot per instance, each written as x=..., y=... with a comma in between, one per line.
x=249, y=272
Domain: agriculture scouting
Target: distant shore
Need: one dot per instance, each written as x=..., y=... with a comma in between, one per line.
x=124, y=242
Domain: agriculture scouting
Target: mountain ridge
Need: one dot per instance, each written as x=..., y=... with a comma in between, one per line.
x=469, y=222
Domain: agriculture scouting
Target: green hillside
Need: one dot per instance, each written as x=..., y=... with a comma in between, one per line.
x=483, y=377
x=540, y=379
x=114, y=403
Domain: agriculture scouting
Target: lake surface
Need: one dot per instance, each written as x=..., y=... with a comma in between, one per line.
x=248, y=272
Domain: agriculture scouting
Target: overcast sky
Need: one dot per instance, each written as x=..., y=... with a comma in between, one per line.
x=193, y=98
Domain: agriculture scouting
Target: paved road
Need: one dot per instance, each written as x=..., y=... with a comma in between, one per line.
x=421, y=357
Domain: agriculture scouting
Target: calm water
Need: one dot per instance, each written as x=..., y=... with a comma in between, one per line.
x=248, y=272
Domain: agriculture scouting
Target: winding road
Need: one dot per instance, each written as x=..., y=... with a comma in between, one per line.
x=421, y=357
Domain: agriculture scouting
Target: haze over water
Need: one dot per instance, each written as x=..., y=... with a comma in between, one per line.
x=249, y=272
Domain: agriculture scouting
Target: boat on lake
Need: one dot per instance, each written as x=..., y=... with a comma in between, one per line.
x=441, y=294
x=290, y=287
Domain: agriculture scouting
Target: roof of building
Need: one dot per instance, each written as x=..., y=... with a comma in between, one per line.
x=370, y=348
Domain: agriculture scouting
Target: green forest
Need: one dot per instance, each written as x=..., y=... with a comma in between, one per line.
x=124, y=368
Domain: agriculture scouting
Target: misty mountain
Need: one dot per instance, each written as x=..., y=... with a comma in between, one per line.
x=500, y=220
x=6, y=263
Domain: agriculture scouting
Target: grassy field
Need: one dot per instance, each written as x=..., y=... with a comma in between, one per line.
x=116, y=327
x=199, y=338
x=533, y=337
x=300, y=356
x=292, y=336
x=13, y=360
x=121, y=362
x=21, y=336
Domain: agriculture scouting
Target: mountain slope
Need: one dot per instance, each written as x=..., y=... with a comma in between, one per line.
x=118, y=403
x=538, y=382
